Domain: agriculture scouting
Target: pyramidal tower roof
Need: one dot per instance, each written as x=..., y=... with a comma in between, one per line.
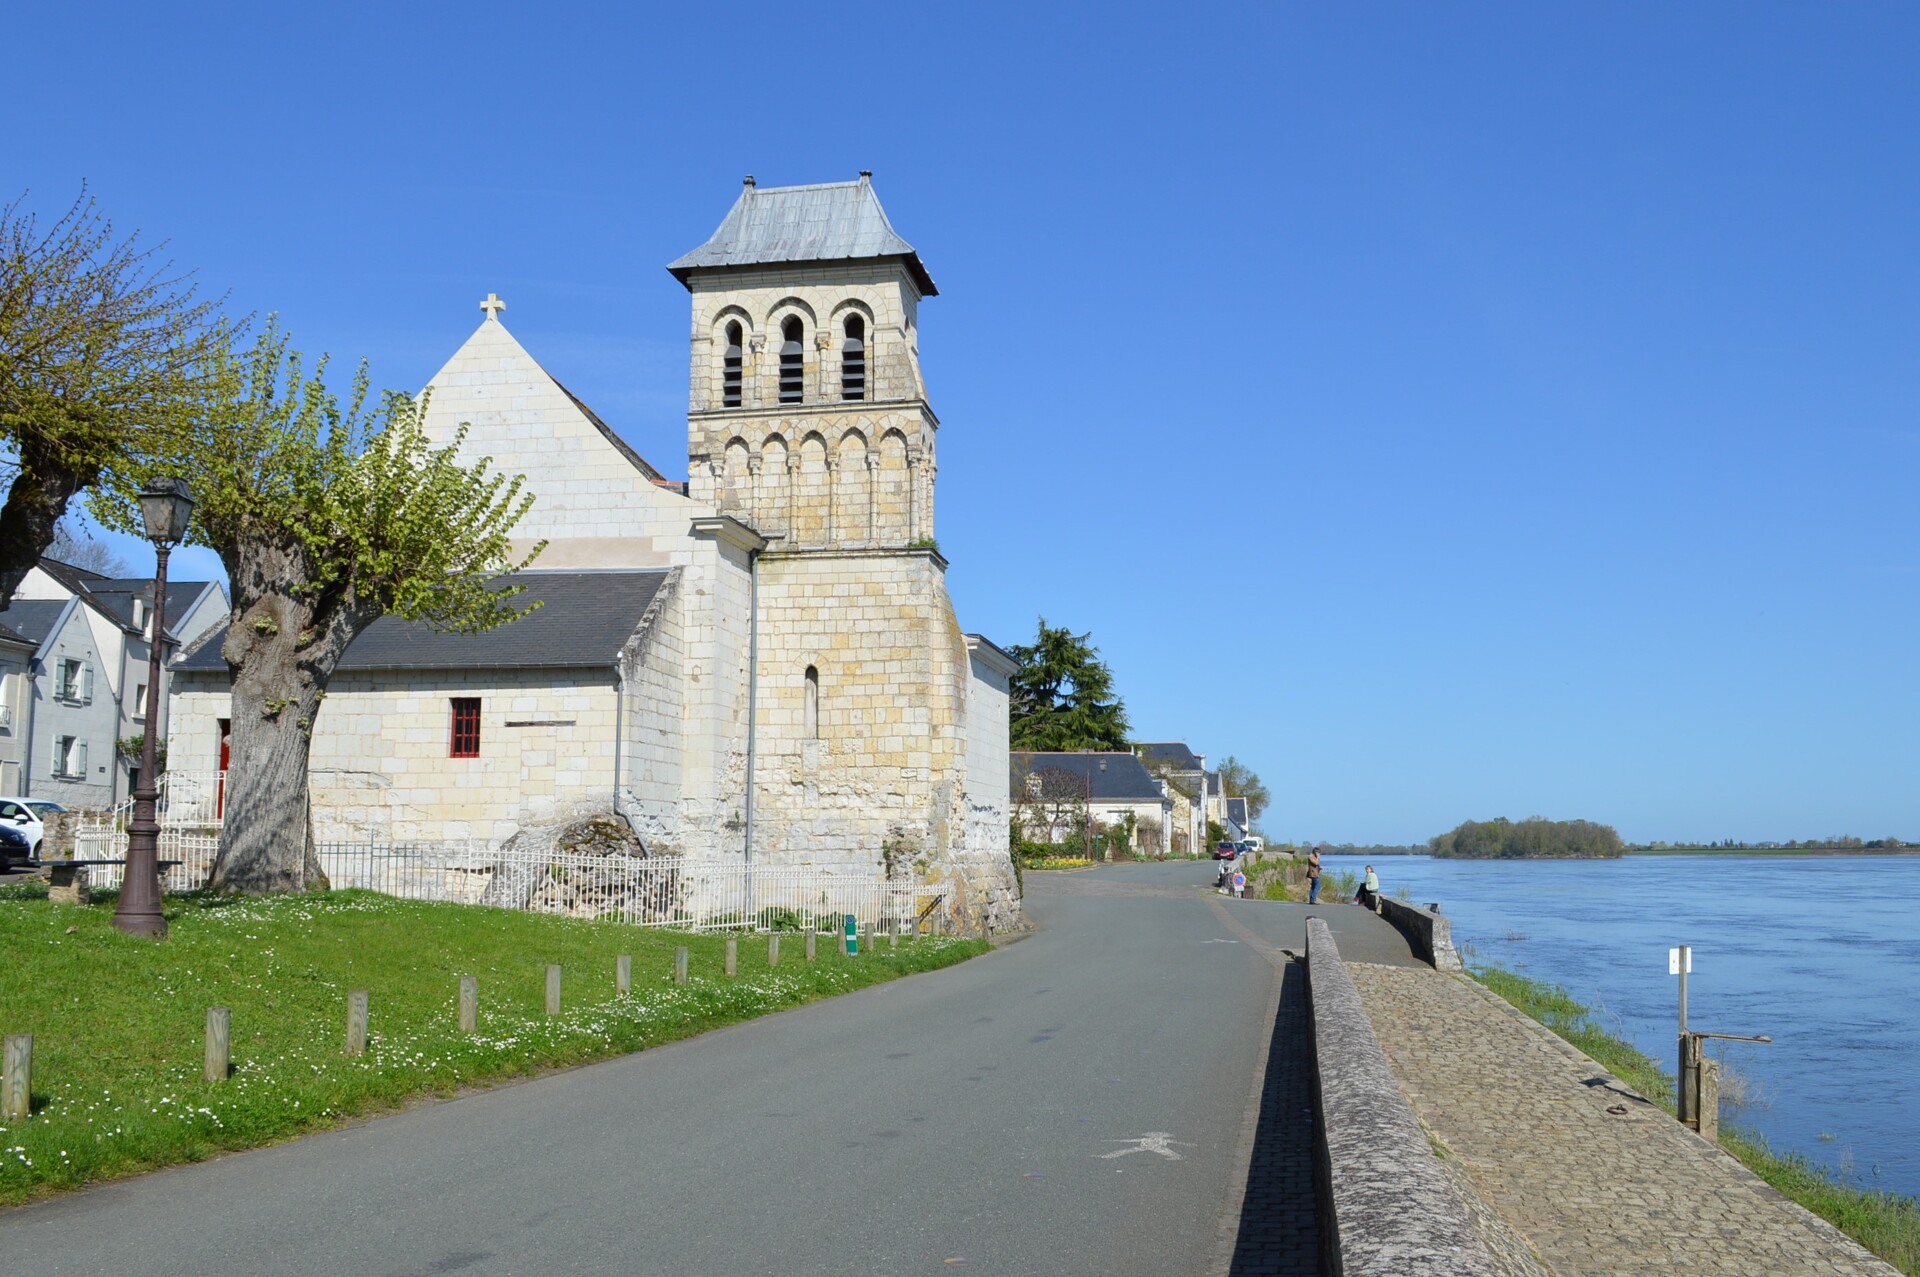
x=826, y=222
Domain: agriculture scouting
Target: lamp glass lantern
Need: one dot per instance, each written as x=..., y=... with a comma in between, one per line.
x=166, y=504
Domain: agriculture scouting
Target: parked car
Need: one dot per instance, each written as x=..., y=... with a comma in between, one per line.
x=1257, y=843
x=23, y=816
x=1225, y=851
x=14, y=847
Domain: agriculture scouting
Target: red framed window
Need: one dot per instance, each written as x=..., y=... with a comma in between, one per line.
x=464, y=740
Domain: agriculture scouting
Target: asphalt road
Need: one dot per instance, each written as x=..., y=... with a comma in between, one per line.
x=980, y=1116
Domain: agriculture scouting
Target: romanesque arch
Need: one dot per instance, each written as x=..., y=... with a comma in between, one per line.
x=812, y=496
x=852, y=491
x=892, y=495
x=773, y=505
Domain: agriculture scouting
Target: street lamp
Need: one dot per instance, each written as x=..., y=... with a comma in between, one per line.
x=165, y=507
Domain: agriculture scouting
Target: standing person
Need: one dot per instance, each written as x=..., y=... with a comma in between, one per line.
x=1370, y=889
x=1313, y=876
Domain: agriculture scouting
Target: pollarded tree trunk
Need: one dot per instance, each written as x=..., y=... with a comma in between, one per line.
x=283, y=653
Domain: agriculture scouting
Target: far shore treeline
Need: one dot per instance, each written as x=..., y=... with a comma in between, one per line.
x=1535, y=838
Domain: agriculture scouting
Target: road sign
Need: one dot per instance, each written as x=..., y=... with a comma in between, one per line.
x=1673, y=960
x=853, y=935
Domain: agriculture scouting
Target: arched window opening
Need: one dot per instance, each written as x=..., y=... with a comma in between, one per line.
x=731, y=368
x=853, y=359
x=792, y=353
x=813, y=704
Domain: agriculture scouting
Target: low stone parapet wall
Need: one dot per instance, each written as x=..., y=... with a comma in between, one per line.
x=1430, y=934
x=1388, y=1208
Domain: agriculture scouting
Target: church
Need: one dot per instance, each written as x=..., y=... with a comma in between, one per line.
x=760, y=662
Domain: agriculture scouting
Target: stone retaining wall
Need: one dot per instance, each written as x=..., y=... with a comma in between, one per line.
x=1387, y=1206
x=1430, y=934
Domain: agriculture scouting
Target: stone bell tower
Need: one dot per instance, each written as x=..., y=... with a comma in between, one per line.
x=808, y=421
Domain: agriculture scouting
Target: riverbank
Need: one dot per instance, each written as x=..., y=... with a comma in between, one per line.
x=1885, y=1223
x=118, y=1022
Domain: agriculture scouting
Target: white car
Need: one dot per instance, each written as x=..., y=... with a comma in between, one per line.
x=23, y=815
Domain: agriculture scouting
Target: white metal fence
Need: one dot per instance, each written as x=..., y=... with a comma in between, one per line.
x=659, y=891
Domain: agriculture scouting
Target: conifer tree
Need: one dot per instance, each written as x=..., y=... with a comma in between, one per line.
x=1063, y=697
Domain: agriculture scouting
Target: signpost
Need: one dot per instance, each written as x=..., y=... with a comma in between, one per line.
x=853, y=936
x=1699, y=1075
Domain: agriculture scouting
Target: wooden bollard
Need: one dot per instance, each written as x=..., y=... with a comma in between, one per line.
x=16, y=1081
x=866, y=937
x=680, y=965
x=553, y=989
x=813, y=941
x=469, y=1003
x=893, y=935
x=623, y=975
x=733, y=955
x=773, y=949
x=357, y=1022
x=219, y=1035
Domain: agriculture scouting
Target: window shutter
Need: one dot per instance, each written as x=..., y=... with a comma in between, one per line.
x=59, y=755
x=86, y=683
x=60, y=669
x=80, y=758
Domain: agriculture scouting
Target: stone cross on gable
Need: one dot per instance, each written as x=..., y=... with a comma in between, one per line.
x=493, y=305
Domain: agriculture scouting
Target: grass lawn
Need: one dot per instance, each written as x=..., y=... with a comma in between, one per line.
x=1886, y=1224
x=119, y=1023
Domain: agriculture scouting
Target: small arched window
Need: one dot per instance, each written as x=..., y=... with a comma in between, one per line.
x=853, y=359
x=813, y=704
x=731, y=367
x=792, y=365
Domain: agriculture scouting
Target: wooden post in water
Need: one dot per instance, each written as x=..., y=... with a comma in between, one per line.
x=553, y=988
x=623, y=975
x=219, y=1034
x=680, y=965
x=16, y=1082
x=356, y=1022
x=773, y=948
x=469, y=1003
x=733, y=955
x=813, y=941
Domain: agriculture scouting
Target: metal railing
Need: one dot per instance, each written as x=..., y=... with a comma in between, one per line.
x=659, y=891
x=193, y=798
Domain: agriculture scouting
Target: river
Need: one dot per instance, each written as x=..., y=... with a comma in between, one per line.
x=1820, y=953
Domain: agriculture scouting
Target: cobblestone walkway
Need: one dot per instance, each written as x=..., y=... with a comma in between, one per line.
x=1591, y=1191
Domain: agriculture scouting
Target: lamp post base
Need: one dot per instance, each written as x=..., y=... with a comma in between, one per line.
x=140, y=923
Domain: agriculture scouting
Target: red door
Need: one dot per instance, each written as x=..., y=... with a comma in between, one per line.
x=226, y=743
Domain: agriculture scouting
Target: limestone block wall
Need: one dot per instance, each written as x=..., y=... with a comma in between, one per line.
x=593, y=504
x=380, y=763
x=989, y=806
x=712, y=606
x=885, y=760
x=652, y=739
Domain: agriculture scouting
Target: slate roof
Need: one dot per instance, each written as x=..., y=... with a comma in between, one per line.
x=114, y=596
x=1116, y=777
x=1237, y=811
x=827, y=222
x=585, y=619
x=1173, y=753
x=10, y=635
x=33, y=619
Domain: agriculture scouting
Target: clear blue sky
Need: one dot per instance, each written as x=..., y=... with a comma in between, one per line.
x=1451, y=411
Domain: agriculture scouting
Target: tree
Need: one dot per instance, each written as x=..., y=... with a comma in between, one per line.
x=327, y=518
x=101, y=351
x=73, y=546
x=1063, y=695
x=1242, y=782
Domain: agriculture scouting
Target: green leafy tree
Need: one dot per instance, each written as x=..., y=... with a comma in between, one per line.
x=1533, y=838
x=102, y=351
x=1242, y=782
x=327, y=516
x=1063, y=697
